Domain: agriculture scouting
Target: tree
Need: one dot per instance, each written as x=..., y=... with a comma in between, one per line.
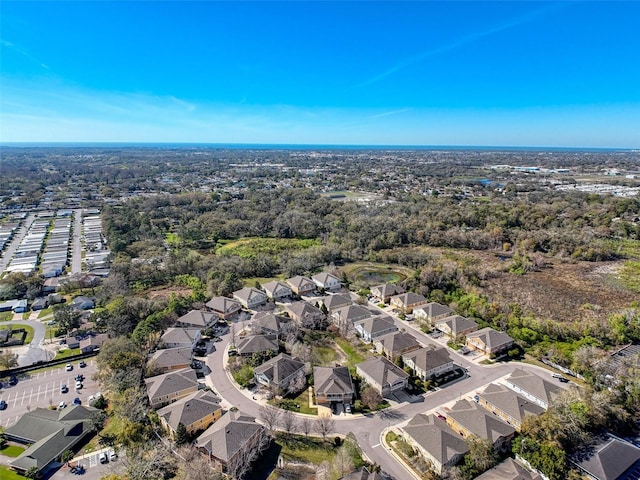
x=370, y=397
x=288, y=421
x=342, y=462
x=241, y=463
x=324, y=425
x=306, y=425
x=481, y=457
x=66, y=457
x=196, y=466
x=66, y=317
x=8, y=360
x=32, y=472
x=182, y=436
x=297, y=383
x=149, y=460
x=269, y=416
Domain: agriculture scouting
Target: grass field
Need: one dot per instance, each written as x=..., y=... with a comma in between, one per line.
x=45, y=312
x=323, y=355
x=354, y=354
x=630, y=275
x=67, y=352
x=7, y=474
x=251, y=247
x=12, y=451
x=6, y=316
x=370, y=274
x=298, y=448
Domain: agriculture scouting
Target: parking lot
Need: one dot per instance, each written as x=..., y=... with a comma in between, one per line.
x=43, y=389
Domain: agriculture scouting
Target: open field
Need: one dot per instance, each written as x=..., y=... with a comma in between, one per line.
x=251, y=247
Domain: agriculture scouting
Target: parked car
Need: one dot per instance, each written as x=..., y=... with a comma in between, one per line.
x=79, y=377
x=113, y=455
x=78, y=385
x=82, y=364
x=69, y=367
x=13, y=380
x=64, y=388
x=103, y=458
x=3, y=405
x=62, y=405
x=347, y=408
x=77, y=401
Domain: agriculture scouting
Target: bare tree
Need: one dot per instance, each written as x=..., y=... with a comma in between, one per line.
x=196, y=466
x=325, y=425
x=370, y=397
x=151, y=460
x=297, y=383
x=288, y=421
x=269, y=416
x=240, y=464
x=306, y=425
x=323, y=471
x=342, y=462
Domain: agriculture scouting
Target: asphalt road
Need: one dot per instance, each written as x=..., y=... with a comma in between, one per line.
x=34, y=352
x=42, y=389
x=368, y=429
x=76, y=255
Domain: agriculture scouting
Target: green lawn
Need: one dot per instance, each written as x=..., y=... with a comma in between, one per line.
x=630, y=276
x=298, y=448
x=251, y=247
x=300, y=404
x=353, y=353
x=6, y=316
x=27, y=328
x=45, y=311
x=67, y=352
x=12, y=451
x=323, y=355
x=7, y=474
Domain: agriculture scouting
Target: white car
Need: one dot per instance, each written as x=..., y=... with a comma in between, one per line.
x=113, y=455
x=62, y=405
x=69, y=367
x=78, y=385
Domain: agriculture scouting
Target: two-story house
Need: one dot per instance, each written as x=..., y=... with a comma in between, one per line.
x=250, y=298
x=224, y=307
x=374, y=327
x=383, y=375
x=428, y=362
x=277, y=290
x=326, y=281
x=383, y=293
x=333, y=385
x=469, y=419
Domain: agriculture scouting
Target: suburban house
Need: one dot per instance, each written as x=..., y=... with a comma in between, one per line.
x=301, y=285
x=224, y=307
x=278, y=372
x=40, y=303
x=395, y=344
x=333, y=385
x=349, y=314
x=406, y=302
x=277, y=290
x=489, y=341
x=383, y=293
x=507, y=404
x=301, y=311
x=250, y=298
x=374, y=327
x=48, y=433
x=171, y=359
x=428, y=362
x=383, y=375
x=196, y=319
x=533, y=387
x=435, y=441
x=267, y=323
x=180, y=337
x=332, y=302
x=93, y=343
x=469, y=419
x=509, y=470
x=610, y=459
x=431, y=312
x=231, y=440
x=196, y=412
x=170, y=387
x=257, y=344
x=83, y=303
x=50, y=285
x=326, y=281
x=456, y=326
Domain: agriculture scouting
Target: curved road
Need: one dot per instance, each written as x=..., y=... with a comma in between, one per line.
x=33, y=352
x=368, y=429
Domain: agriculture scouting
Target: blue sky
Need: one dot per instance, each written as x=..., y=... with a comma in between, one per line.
x=415, y=73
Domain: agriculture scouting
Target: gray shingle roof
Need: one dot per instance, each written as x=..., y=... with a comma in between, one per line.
x=374, y=325
x=535, y=385
x=510, y=402
x=388, y=290
x=301, y=283
x=223, y=305
x=397, y=342
x=257, y=343
x=428, y=358
x=301, y=310
x=171, y=382
x=168, y=357
x=336, y=301
x=267, y=321
x=434, y=310
x=180, y=335
x=280, y=367
x=458, y=324
x=249, y=295
x=335, y=380
x=409, y=298
x=509, y=470
x=228, y=435
x=382, y=371
x=351, y=313
x=436, y=437
x=493, y=339
x=197, y=318
x=190, y=409
x=479, y=421
x=610, y=459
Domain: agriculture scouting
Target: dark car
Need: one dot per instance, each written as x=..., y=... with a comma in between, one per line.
x=13, y=380
x=3, y=405
x=82, y=364
x=79, y=378
x=77, y=401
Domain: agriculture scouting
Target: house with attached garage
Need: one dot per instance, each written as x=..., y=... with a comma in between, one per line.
x=456, y=326
x=507, y=404
x=224, y=307
x=196, y=412
x=326, y=281
x=171, y=359
x=428, y=362
x=489, y=341
x=268, y=323
x=469, y=419
x=277, y=290
x=197, y=319
x=396, y=344
x=279, y=372
x=374, y=327
x=333, y=385
x=333, y=302
x=180, y=337
x=349, y=315
x=252, y=344
x=303, y=312
x=250, y=298
x=406, y=302
x=383, y=293
x=431, y=312
x=383, y=375
x=436, y=442
x=533, y=387
x=509, y=470
x=301, y=285
x=93, y=343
